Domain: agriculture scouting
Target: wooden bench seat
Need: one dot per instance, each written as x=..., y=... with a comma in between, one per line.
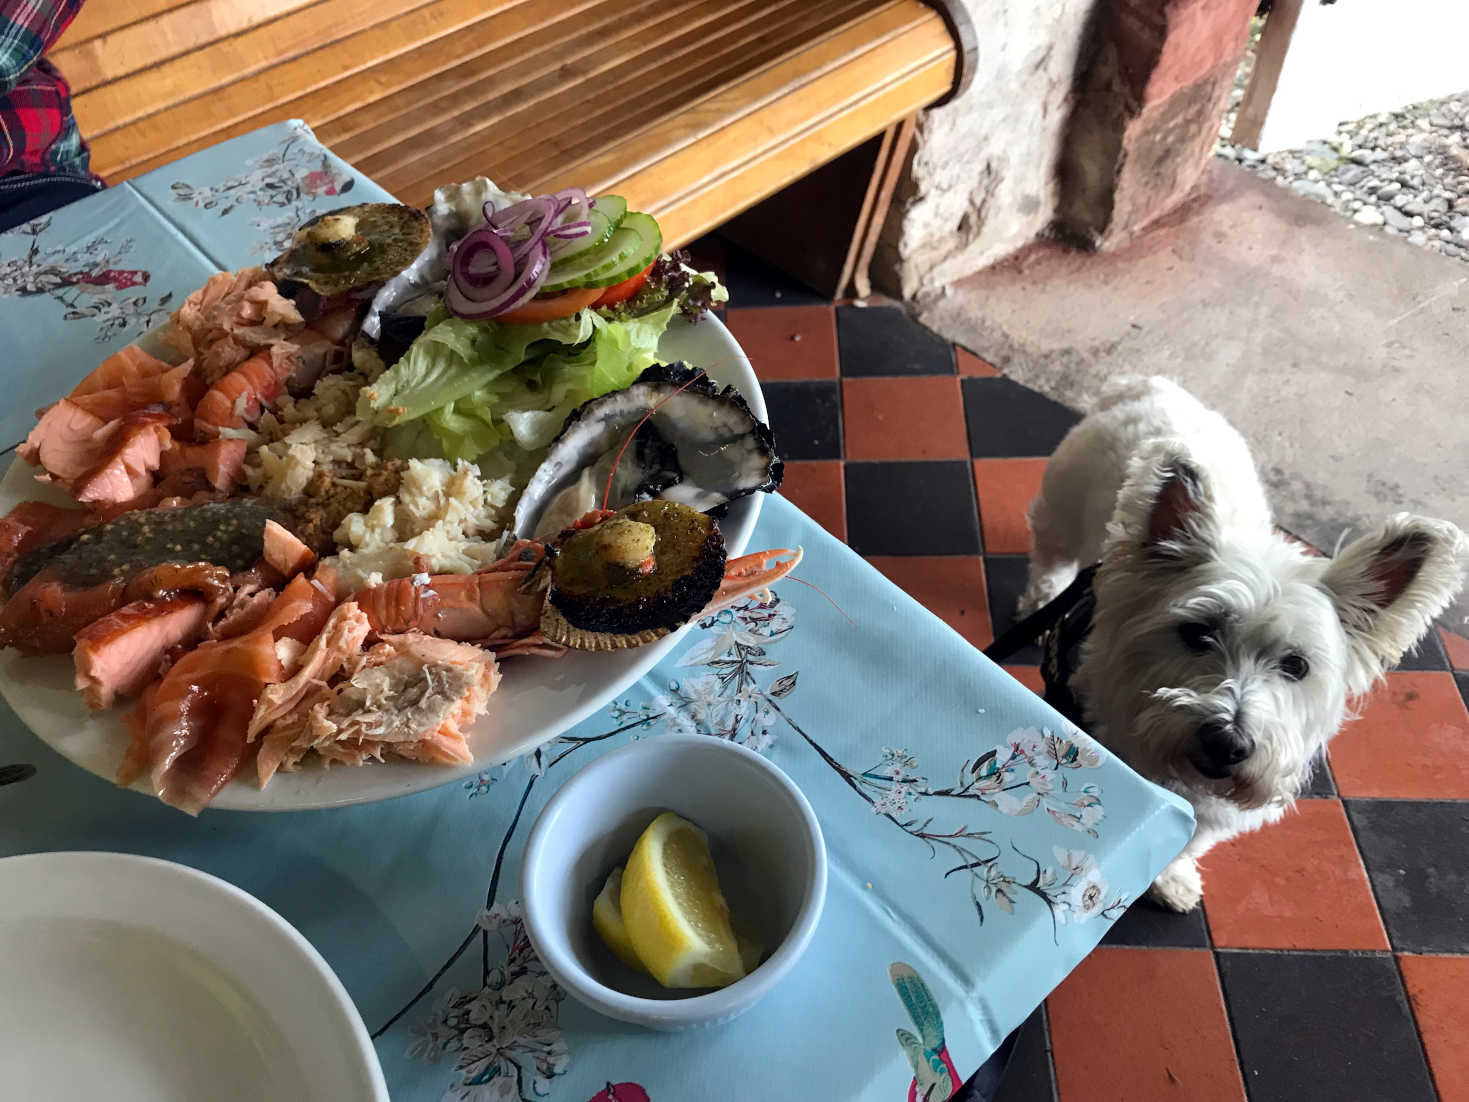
x=692, y=109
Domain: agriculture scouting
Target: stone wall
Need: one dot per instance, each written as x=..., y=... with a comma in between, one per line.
x=1086, y=118
x=981, y=180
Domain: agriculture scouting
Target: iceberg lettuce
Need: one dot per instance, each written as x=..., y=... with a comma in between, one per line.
x=484, y=387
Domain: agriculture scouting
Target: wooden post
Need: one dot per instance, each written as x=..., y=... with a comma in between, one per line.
x=884, y=182
x=1280, y=25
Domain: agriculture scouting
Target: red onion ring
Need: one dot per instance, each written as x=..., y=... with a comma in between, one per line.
x=503, y=263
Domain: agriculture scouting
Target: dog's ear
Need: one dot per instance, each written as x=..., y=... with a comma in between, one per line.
x=1389, y=586
x=1165, y=509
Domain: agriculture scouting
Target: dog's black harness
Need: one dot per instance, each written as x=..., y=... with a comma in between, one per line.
x=1062, y=626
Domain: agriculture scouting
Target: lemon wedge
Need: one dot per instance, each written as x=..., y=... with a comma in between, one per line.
x=607, y=921
x=751, y=951
x=673, y=911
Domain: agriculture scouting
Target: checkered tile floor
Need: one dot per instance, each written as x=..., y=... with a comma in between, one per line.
x=1329, y=959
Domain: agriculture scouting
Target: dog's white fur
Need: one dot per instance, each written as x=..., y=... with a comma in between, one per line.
x=1163, y=493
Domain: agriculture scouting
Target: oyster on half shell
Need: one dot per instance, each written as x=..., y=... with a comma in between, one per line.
x=701, y=447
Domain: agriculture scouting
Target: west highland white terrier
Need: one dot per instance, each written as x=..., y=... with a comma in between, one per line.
x=1221, y=656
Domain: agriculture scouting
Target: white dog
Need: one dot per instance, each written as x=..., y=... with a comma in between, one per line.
x=1221, y=656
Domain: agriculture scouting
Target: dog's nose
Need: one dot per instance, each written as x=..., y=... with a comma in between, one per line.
x=1223, y=744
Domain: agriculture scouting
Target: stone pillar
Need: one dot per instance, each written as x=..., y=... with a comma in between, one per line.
x=981, y=180
x=1147, y=113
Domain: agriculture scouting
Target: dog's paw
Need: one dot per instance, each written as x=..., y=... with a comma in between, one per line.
x=1179, y=887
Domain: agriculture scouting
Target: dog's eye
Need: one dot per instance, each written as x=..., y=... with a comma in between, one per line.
x=1197, y=636
x=1294, y=667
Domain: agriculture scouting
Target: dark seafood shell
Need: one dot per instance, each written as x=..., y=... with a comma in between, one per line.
x=386, y=238
x=591, y=610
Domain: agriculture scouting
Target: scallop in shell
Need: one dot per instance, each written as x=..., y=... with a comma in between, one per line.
x=701, y=447
x=352, y=247
x=632, y=577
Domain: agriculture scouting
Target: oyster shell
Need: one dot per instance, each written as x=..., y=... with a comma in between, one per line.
x=702, y=448
x=352, y=247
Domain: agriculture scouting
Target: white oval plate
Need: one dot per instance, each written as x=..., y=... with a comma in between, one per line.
x=138, y=980
x=537, y=698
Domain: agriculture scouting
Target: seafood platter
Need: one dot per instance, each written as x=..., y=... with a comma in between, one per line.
x=404, y=503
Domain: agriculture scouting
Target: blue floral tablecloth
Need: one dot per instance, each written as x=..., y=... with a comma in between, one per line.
x=979, y=845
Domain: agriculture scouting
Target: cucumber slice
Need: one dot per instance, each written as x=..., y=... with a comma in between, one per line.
x=613, y=207
x=602, y=228
x=632, y=247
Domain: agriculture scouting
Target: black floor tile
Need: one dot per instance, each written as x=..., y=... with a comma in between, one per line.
x=1147, y=925
x=1320, y=782
x=1323, y=1026
x=1415, y=856
x=883, y=340
x=1462, y=680
x=752, y=282
x=1427, y=655
x=1027, y=1076
x=1004, y=577
x=806, y=417
x=1008, y=420
x=912, y=508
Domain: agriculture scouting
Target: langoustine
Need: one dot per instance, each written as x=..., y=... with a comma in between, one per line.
x=635, y=590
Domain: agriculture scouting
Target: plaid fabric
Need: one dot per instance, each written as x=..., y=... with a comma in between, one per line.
x=37, y=130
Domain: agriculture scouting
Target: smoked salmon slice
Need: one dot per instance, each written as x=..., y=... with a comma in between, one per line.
x=194, y=731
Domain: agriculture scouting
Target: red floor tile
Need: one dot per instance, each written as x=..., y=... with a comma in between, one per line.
x=1436, y=986
x=1409, y=743
x=817, y=488
x=1143, y=1024
x=1029, y=676
x=1006, y=488
x=913, y=417
x=970, y=364
x=949, y=586
x=787, y=342
x=1296, y=884
x=1457, y=648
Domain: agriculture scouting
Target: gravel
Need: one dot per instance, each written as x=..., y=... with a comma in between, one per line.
x=1406, y=171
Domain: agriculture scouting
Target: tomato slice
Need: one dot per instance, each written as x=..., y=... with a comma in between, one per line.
x=550, y=308
x=621, y=292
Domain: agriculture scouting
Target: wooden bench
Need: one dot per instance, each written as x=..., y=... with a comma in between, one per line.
x=692, y=109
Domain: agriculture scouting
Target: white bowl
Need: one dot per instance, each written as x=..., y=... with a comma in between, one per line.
x=766, y=843
x=139, y=980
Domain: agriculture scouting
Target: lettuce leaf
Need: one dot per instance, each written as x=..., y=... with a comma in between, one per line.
x=456, y=357
x=502, y=392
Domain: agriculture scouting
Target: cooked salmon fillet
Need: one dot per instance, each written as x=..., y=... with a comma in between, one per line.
x=126, y=366
x=124, y=470
x=411, y=695
x=339, y=643
x=120, y=653
x=67, y=442
x=221, y=461
x=223, y=323
x=33, y=524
